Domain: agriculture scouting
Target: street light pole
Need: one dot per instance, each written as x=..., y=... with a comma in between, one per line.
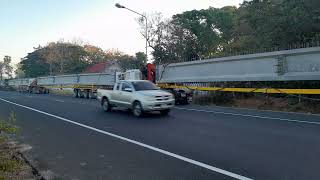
x=145, y=17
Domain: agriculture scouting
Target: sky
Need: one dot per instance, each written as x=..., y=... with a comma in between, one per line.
x=25, y=24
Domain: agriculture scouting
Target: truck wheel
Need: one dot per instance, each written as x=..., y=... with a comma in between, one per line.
x=80, y=94
x=137, y=109
x=106, y=105
x=91, y=95
x=165, y=112
x=75, y=93
x=87, y=94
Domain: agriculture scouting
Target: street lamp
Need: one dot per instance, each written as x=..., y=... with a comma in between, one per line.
x=145, y=17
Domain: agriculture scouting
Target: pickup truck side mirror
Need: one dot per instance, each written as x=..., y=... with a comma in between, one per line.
x=128, y=89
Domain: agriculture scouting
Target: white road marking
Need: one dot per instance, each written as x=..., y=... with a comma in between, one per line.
x=194, y=162
x=248, y=115
x=59, y=100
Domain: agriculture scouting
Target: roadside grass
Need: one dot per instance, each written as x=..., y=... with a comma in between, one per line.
x=258, y=101
x=12, y=166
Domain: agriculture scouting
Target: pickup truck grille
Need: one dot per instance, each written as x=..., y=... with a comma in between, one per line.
x=162, y=98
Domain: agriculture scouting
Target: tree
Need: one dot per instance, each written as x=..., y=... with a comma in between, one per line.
x=277, y=23
x=127, y=62
x=141, y=57
x=5, y=67
x=64, y=57
x=190, y=35
x=34, y=64
x=55, y=58
x=19, y=73
x=256, y=24
x=94, y=54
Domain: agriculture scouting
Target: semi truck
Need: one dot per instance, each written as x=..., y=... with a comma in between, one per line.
x=82, y=85
x=86, y=85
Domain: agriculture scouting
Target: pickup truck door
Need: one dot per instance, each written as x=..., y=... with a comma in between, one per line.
x=125, y=96
x=115, y=94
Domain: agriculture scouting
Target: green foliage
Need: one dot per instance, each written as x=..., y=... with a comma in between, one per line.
x=5, y=67
x=95, y=54
x=55, y=58
x=8, y=126
x=256, y=24
x=68, y=58
x=130, y=62
x=9, y=165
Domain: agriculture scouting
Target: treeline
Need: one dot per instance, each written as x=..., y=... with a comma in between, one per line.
x=212, y=32
x=192, y=35
x=65, y=58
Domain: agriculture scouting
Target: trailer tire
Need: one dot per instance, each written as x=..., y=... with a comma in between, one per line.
x=91, y=95
x=87, y=95
x=80, y=94
x=75, y=93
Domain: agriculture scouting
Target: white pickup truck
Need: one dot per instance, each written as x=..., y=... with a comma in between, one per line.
x=138, y=95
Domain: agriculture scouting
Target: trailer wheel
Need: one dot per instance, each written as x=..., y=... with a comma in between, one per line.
x=80, y=94
x=91, y=95
x=87, y=94
x=75, y=93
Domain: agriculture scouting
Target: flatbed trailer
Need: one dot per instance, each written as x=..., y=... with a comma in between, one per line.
x=82, y=85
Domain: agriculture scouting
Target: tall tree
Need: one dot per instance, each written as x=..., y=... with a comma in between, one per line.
x=19, y=73
x=34, y=64
x=127, y=62
x=94, y=54
x=5, y=67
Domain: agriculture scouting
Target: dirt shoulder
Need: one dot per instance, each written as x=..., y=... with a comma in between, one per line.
x=13, y=164
x=261, y=102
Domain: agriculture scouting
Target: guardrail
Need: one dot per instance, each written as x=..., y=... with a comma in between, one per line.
x=290, y=65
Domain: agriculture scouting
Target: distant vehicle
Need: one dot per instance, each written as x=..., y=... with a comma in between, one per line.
x=138, y=95
x=181, y=96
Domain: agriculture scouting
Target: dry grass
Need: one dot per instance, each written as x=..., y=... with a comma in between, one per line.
x=12, y=165
x=260, y=102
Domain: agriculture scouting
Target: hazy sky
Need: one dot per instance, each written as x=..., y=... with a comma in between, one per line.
x=28, y=23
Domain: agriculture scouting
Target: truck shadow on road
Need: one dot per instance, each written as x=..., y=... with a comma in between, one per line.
x=127, y=114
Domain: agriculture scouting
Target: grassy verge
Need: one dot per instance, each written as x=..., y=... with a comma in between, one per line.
x=12, y=165
x=259, y=101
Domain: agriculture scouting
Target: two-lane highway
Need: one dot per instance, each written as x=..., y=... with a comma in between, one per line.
x=77, y=140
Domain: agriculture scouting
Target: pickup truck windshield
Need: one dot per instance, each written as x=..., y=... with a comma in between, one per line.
x=144, y=85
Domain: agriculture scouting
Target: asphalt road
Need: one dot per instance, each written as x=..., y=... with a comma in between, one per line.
x=75, y=139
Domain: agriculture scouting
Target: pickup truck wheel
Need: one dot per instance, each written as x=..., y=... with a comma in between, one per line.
x=165, y=112
x=75, y=93
x=137, y=109
x=106, y=105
